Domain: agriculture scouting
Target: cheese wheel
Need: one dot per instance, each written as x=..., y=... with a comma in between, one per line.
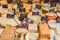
x=8, y=33
x=44, y=31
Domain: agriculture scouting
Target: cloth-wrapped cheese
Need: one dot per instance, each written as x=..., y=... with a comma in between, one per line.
x=44, y=30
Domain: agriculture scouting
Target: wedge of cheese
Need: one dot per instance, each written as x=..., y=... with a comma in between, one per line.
x=33, y=28
x=8, y=33
x=12, y=22
x=44, y=30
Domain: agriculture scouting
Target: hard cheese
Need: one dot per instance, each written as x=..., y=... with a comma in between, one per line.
x=44, y=31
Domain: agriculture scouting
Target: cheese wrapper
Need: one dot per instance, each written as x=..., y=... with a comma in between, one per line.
x=44, y=31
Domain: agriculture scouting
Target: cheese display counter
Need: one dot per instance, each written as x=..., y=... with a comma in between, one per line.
x=29, y=19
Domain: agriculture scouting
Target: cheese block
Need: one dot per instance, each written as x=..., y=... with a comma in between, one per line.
x=22, y=37
x=44, y=39
x=33, y=28
x=12, y=22
x=24, y=1
x=52, y=34
x=44, y=30
x=21, y=30
x=57, y=37
x=34, y=36
x=8, y=33
x=36, y=19
x=1, y=30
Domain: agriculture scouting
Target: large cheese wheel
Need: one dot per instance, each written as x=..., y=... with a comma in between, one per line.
x=44, y=30
x=8, y=33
